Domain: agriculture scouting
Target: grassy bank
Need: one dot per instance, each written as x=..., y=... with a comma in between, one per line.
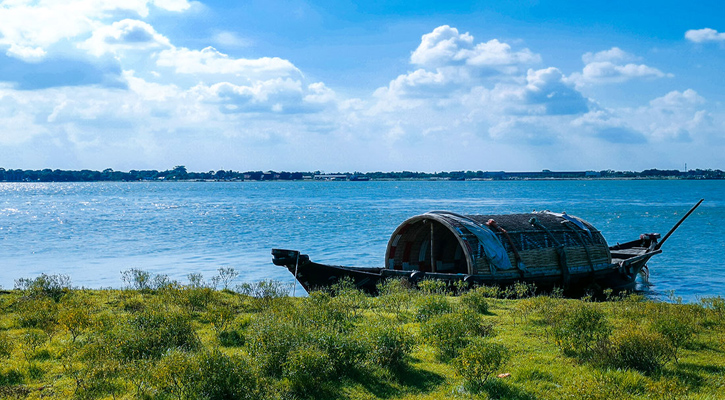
x=163, y=340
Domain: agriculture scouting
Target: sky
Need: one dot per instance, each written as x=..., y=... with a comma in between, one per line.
x=338, y=86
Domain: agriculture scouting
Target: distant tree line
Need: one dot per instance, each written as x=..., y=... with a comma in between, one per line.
x=180, y=173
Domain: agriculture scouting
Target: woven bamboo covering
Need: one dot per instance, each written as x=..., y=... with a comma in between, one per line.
x=534, y=241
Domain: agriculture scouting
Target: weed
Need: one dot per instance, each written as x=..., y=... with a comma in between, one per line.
x=475, y=300
x=432, y=305
x=637, y=348
x=433, y=286
x=578, y=330
x=388, y=344
x=51, y=286
x=451, y=332
x=479, y=360
x=6, y=345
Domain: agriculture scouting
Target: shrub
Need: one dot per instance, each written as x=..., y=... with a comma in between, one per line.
x=6, y=345
x=637, y=348
x=677, y=329
x=145, y=335
x=51, y=286
x=433, y=286
x=394, y=295
x=75, y=315
x=475, y=300
x=264, y=289
x=307, y=368
x=451, y=332
x=11, y=377
x=225, y=277
x=523, y=289
x=37, y=312
x=136, y=279
x=431, y=305
x=208, y=375
x=151, y=333
x=387, y=344
x=479, y=360
x=578, y=330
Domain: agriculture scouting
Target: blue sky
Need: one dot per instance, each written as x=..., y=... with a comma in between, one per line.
x=341, y=86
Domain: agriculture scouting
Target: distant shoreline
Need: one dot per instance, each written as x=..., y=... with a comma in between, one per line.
x=180, y=174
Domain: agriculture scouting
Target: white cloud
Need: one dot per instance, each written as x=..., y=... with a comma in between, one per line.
x=446, y=47
x=28, y=54
x=704, y=35
x=687, y=98
x=173, y=5
x=211, y=61
x=440, y=47
x=127, y=34
x=612, y=55
x=39, y=25
x=608, y=67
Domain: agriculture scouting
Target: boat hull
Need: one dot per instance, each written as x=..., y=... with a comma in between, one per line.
x=312, y=276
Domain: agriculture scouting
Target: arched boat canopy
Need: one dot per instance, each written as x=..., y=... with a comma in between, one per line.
x=447, y=242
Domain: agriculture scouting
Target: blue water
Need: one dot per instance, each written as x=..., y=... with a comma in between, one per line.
x=93, y=231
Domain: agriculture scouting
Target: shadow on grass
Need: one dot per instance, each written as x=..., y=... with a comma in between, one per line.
x=405, y=380
x=500, y=389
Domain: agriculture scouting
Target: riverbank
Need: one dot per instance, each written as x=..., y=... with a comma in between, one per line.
x=156, y=339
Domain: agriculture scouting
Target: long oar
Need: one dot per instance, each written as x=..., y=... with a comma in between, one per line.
x=664, y=239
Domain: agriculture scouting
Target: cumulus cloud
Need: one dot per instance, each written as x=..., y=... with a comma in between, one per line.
x=127, y=34
x=609, y=67
x=449, y=65
x=276, y=96
x=614, y=54
x=704, y=35
x=445, y=46
x=211, y=61
x=547, y=87
x=28, y=29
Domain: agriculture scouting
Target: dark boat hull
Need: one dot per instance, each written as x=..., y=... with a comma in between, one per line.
x=619, y=276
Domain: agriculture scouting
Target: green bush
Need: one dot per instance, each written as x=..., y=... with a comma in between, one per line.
x=432, y=305
x=448, y=333
x=580, y=329
x=6, y=345
x=264, y=289
x=136, y=279
x=387, y=344
x=51, y=286
x=37, y=312
x=11, y=377
x=148, y=334
x=479, y=360
x=75, y=315
x=308, y=368
x=433, y=286
x=638, y=349
x=210, y=375
x=475, y=300
x=151, y=333
x=678, y=329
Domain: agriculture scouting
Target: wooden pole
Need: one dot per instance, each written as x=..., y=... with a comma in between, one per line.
x=678, y=224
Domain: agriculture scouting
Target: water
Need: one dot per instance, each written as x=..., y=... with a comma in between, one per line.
x=93, y=231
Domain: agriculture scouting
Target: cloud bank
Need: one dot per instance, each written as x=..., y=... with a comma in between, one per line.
x=102, y=87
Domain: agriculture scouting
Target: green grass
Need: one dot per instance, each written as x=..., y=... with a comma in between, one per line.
x=173, y=341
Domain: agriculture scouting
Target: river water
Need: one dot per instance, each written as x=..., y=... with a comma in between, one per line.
x=93, y=231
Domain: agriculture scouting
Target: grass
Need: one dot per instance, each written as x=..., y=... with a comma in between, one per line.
x=158, y=339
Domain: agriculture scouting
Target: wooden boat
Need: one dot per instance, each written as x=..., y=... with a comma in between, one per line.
x=547, y=249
